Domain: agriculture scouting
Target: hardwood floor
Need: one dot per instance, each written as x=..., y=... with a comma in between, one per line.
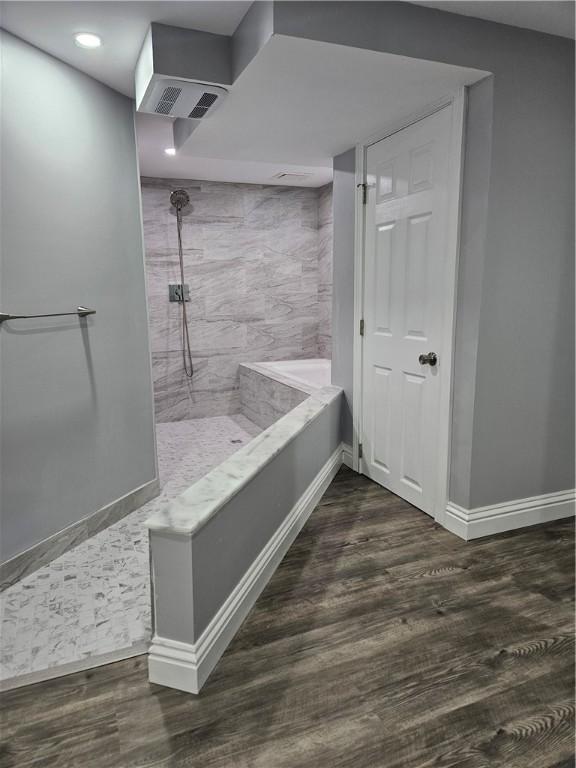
x=382, y=641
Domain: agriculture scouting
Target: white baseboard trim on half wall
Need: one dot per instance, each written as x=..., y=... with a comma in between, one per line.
x=498, y=518
x=186, y=666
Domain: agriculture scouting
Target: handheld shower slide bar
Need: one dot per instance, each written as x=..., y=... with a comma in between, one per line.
x=179, y=199
x=80, y=311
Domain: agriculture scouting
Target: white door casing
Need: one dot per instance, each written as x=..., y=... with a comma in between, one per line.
x=408, y=296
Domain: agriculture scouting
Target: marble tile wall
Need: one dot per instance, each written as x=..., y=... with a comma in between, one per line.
x=258, y=262
x=263, y=400
x=325, y=227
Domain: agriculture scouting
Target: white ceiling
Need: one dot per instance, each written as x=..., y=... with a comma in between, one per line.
x=555, y=17
x=121, y=25
x=302, y=102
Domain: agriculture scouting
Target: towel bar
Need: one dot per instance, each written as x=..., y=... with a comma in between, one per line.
x=80, y=311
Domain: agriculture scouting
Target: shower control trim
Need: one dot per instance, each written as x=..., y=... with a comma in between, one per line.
x=176, y=290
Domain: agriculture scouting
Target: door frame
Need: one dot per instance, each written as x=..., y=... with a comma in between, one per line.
x=456, y=102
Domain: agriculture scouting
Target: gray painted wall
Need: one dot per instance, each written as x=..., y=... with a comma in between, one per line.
x=192, y=54
x=251, y=35
x=76, y=408
x=193, y=576
x=473, y=230
x=228, y=544
x=344, y=197
x=517, y=269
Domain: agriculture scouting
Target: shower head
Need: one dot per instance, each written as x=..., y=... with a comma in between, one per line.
x=179, y=199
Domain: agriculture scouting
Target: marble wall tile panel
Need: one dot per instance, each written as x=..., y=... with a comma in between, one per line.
x=258, y=262
x=264, y=400
x=325, y=226
x=213, y=390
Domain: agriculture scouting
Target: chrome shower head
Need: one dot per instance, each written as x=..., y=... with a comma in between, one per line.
x=179, y=199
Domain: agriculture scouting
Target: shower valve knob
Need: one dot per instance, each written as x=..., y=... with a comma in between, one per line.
x=175, y=291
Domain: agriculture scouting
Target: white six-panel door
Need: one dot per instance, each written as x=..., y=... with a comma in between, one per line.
x=404, y=307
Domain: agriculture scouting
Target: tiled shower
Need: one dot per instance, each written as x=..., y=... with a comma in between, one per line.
x=258, y=261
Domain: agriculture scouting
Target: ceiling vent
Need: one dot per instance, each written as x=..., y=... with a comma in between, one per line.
x=181, y=98
x=167, y=100
x=204, y=103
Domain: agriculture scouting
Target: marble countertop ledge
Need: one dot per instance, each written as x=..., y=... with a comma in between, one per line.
x=193, y=508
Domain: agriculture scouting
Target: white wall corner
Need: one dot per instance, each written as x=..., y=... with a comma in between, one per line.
x=347, y=456
x=509, y=516
x=144, y=70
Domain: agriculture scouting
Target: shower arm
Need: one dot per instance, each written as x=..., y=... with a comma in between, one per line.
x=80, y=312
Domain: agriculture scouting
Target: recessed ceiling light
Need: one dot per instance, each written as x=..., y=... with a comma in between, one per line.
x=87, y=40
x=170, y=151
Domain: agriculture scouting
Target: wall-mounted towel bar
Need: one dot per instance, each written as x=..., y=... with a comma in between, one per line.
x=80, y=311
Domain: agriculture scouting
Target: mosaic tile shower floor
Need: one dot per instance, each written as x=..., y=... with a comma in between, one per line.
x=92, y=604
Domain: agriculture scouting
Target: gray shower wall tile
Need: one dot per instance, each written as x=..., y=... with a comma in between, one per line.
x=163, y=267
x=241, y=308
x=280, y=307
x=212, y=391
x=169, y=376
x=264, y=400
x=165, y=320
x=275, y=341
x=258, y=262
x=325, y=228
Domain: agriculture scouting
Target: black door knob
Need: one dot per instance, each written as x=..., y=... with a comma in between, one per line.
x=431, y=358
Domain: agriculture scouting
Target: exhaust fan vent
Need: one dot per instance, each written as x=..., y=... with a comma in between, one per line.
x=167, y=100
x=207, y=100
x=181, y=98
x=204, y=104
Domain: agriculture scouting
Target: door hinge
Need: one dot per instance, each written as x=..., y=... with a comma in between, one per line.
x=362, y=327
x=364, y=192
x=360, y=452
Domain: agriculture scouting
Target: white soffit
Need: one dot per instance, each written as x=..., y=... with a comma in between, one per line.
x=154, y=134
x=299, y=103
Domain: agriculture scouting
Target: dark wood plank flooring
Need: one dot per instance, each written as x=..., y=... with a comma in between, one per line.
x=381, y=642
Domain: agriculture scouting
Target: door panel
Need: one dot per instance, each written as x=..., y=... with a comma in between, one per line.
x=382, y=296
x=404, y=280
x=416, y=279
x=411, y=440
x=381, y=424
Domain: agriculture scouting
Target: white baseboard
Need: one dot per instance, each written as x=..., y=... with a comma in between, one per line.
x=497, y=518
x=347, y=456
x=186, y=666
